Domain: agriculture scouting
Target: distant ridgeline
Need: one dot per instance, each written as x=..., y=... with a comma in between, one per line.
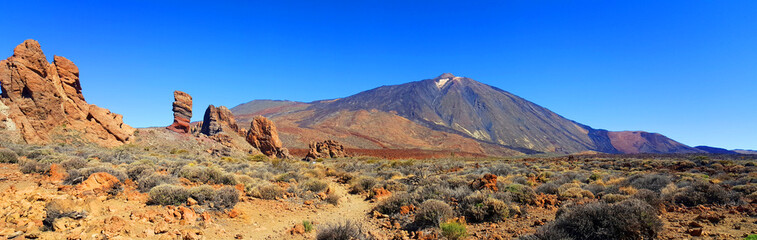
x=448, y=114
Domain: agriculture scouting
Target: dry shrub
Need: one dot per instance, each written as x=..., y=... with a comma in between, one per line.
x=333, y=198
x=348, y=230
x=433, y=212
x=8, y=156
x=480, y=207
x=631, y=219
x=268, y=191
x=394, y=203
x=168, y=195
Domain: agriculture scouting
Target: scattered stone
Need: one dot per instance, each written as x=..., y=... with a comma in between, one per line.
x=161, y=227
x=191, y=202
x=297, y=229
x=100, y=182
x=407, y=209
x=64, y=224
x=378, y=194
x=695, y=232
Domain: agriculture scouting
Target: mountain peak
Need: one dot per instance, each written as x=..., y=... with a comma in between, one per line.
x=442, y=80
x=445, y=75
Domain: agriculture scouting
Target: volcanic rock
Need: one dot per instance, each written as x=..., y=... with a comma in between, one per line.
x=325, y=149
x=182, y=112
x=489, y=181
x=42, y=100
x=217, y=120
x=99, y=182
x=264, y=136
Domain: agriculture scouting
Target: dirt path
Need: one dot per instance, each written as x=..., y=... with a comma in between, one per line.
x=265, y=219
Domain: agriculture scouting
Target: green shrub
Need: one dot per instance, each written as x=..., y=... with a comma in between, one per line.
x=307, y=225
x=8, y=156
x=433, y=212
x=454, y=230
x=168, y=195
x=751, y=237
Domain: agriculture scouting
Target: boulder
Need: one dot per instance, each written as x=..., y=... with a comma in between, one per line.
x=325, y=149
x=182, y=112
x=264, y=136
x=41, y=100
x=99, y=183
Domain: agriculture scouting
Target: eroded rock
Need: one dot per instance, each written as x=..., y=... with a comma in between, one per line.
x=264, y=136
x=218, y=120
x=44, y=99
x=325, y=149
x=182, y=112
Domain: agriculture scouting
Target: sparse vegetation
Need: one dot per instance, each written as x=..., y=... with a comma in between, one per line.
x=433, y=212
x=8, y=156
x=347, y=230
x=630, y=219
x=432, y=196
x=168, y=195
x=454, y=230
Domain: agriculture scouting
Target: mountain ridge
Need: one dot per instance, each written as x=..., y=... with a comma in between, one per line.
x=484, y=113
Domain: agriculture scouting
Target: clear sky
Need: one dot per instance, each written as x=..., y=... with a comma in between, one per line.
x=686, y=69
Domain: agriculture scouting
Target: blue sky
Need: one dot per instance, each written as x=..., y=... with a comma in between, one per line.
x=686, y=69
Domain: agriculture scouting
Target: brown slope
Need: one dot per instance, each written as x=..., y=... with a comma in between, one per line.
x=482, y=115
x=644, y=142
x=376, y=130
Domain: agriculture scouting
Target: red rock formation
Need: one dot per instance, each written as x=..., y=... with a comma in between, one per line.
x=43, y=99
x=264, y=136
x=182, y=112
x=325, y=149
x=217, y=120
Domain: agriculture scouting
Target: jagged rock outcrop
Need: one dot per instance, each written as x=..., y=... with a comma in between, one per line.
x=219, y=124
x=325, y=149
x=264, y=136
x=182, y=112
x=44, y=99
x=217, y=120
